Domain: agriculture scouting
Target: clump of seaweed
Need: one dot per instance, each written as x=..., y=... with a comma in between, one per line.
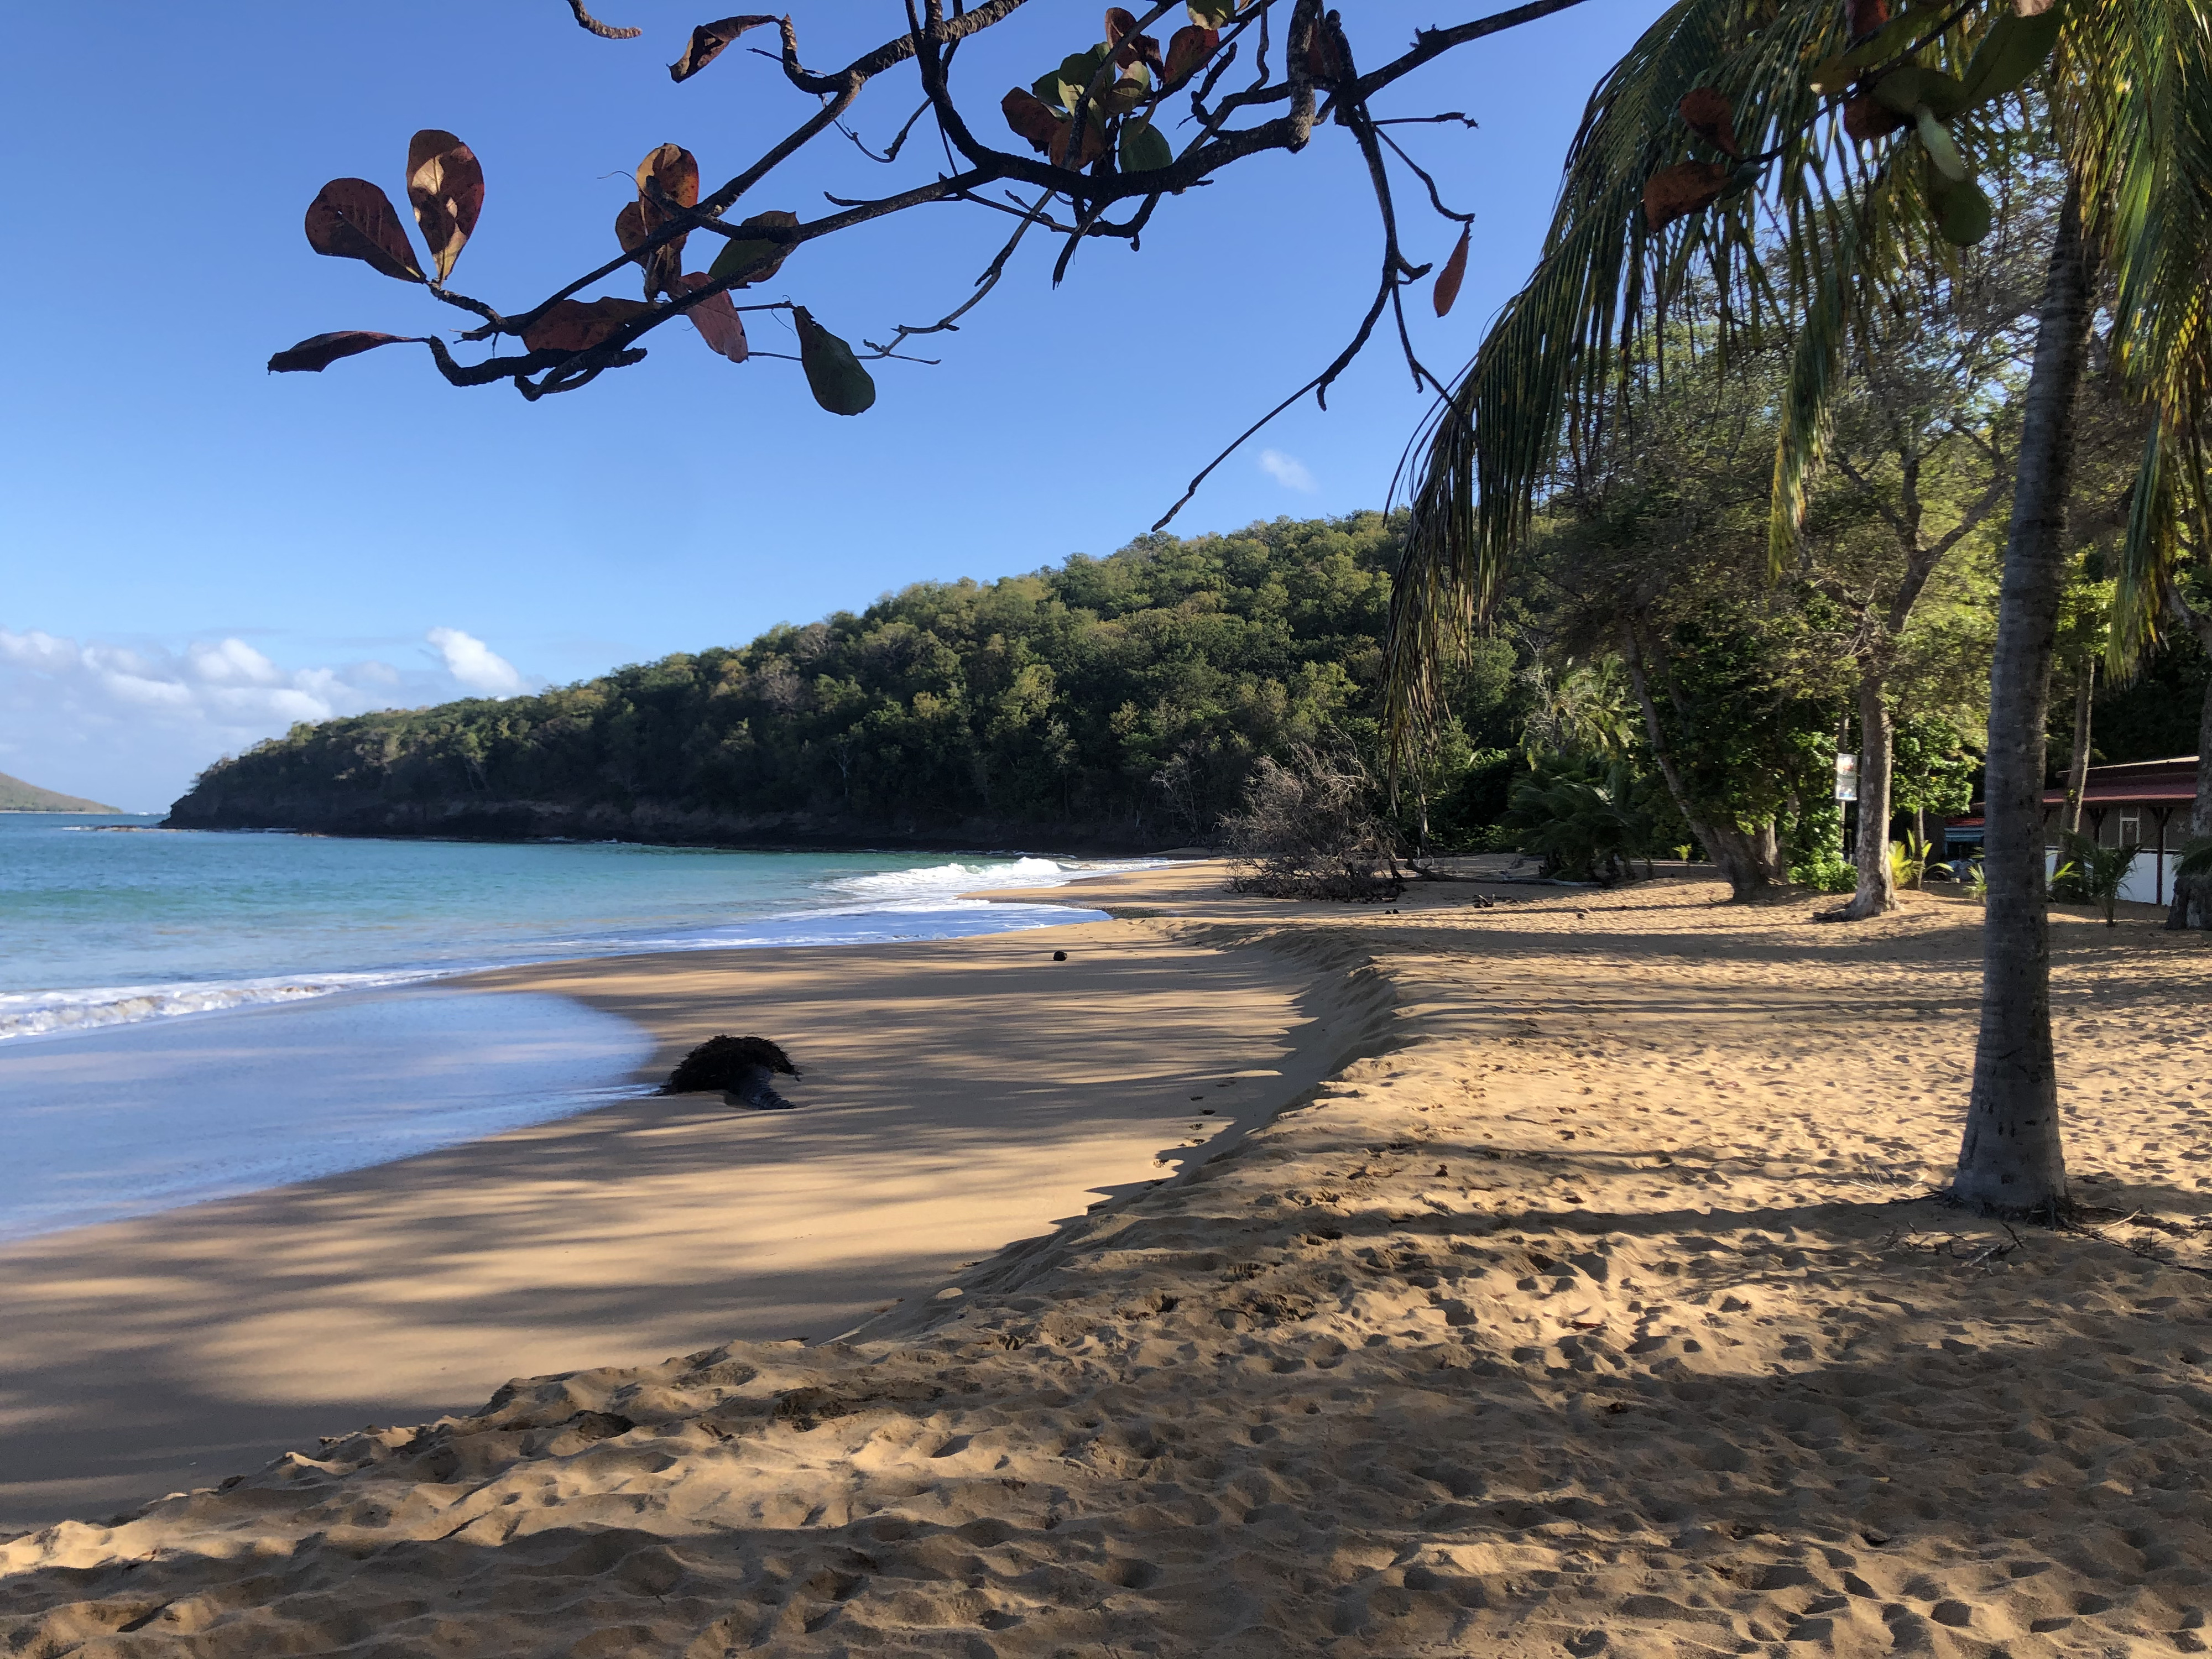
x=726, y=1063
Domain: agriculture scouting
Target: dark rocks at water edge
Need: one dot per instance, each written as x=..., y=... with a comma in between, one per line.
x=742, y=1068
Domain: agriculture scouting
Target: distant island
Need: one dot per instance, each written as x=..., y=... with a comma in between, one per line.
x=1103, y=704
x=17, y=796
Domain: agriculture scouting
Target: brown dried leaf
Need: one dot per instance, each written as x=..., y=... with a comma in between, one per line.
x=352, y=219
x=1093, y=147
x=1453, y=273
x=445, y=184
x=707, y=41
x=1119, y=21
x=1189, y=48
x=1866, y=117
x=629, y=228
x=717, y=320
x=316, y=354
x=1709, y=114
x=1687, y=187
x=673, y=172
x=1867, y=16
x=1031, y=117
x=579, y=325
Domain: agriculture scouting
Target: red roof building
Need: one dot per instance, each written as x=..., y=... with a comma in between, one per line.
x=2142, y=803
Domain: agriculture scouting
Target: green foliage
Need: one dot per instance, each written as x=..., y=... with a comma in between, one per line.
x=2090, y=874
x=1582, y=820
x=1124, y=698
x=1931, y=768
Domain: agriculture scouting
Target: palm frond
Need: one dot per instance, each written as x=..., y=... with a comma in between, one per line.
x=1564, y=356
x=2134, y=114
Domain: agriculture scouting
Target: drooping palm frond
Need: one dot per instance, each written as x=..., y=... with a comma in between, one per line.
x=1565, y=356
x=2136, y=114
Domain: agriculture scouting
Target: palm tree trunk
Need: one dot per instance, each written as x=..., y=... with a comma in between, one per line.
x=2077, y=765
x=1877, y=888
x=2012, y=1156
x=2193, y=895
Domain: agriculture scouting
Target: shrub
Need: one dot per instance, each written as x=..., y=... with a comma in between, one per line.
x=1312, y=830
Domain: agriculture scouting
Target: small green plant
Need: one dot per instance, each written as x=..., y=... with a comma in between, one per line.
x=1580, y=821
x=1976, y=880
x=1826, y=871
x=1908, y=860
x=2196, y=858
x=2090, y=874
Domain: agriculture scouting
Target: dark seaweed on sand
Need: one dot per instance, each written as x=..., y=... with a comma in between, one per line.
x=722, y=1062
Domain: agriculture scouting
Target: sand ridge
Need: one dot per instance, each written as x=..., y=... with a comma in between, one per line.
x=1593, y=1305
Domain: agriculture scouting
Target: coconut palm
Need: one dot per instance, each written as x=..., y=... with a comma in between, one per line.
x=1813, y=160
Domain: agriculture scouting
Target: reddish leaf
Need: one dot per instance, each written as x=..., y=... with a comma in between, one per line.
x=717, y=320
x=314, y=356
x=1868, y=15
x=1093, y=147
x=579, y=325
x=445, y=184
x=1866, y=117
x=1130, y=47
x=1325, y=56
x=1709, y=114
x=707, y=41
x=1031, y=117
x=1189, y=48
x=352, y=219
x=629, y=228
x=1453, y=273
x=1674, y=192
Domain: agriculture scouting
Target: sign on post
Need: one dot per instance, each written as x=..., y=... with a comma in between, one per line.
x=1847, y=777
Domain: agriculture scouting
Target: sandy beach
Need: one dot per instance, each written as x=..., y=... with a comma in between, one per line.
x=1585, y=1295
x=958, y=1095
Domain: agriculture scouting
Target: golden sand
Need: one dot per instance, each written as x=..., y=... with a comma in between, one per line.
x=1591, y=1303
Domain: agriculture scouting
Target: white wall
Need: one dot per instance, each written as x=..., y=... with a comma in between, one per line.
x=2149, y=881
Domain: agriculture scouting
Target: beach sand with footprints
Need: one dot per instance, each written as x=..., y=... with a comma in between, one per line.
x=1566, y=1280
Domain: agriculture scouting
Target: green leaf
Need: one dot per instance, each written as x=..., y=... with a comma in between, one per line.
x=1144, y=148
x=1906, y=89
x=2009, y=55
x=1963, y=214
x=1046, y=88
x=1941, y=150
x=739, y=253
x=840, y=384
x=1212, y=14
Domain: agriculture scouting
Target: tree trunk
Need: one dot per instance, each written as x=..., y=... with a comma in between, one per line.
x=2191, y=905
x=1732, y=852
x=2077, y=765
x=1877, y=888
x=2192, y=896
x=2012, y=1156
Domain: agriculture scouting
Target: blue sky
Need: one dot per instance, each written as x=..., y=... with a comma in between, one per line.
x=198, y=553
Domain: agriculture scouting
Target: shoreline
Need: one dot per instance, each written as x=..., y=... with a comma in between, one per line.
x=234, y=1328
x=1594, y=1300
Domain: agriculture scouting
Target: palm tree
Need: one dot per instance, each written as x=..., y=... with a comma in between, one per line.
x=1816, y=159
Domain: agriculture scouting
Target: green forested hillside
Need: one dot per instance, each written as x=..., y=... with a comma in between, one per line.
x=17, y=796
x=1115, y=701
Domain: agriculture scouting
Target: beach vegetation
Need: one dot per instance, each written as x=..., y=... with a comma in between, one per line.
x=1817, y=166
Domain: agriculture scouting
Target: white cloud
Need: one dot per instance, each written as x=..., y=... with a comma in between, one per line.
x=1288, y=470
x=475, y=664
x=133, y=724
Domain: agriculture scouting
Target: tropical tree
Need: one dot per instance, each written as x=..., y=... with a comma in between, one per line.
x=1860, y=135
x=1086, y=143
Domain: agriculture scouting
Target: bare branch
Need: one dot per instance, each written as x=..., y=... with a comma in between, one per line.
x=604, y=30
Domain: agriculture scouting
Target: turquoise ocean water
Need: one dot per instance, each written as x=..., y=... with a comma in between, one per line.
x=187, y=1015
